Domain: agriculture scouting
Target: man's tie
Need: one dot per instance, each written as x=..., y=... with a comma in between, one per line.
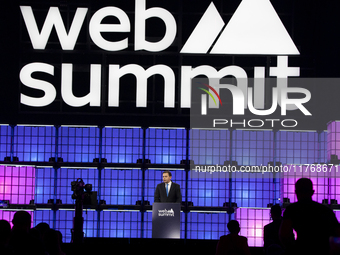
x=167, y=191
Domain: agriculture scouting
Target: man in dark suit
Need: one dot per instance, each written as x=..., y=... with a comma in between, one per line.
x=168, y=191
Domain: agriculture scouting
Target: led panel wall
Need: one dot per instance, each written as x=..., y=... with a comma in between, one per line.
x=5, y=141
x=207, y=225
x=44, y=185
x=208, y=191
x=121, y=187
x=64, y=223
x=120, y=224
x=333, y=152
x=78, y=144
x=17, y=184
x=252, y=221
x=209, y=147
x=67, y=175
x=162, y=146
x=165, y=146
x=299, y=147
x=333, y=138
x=46, y=216
x=34, y=143
x=320, y=185
x=253, y=191
x=334, y=189
x=8, y=215
x=122, y=145
x=253, y=147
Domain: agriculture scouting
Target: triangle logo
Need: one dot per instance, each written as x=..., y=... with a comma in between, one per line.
x=254, y=29
x=205, y=33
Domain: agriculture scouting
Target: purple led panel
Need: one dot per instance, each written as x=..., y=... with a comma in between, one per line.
x=17, y=184
x=333, y=148
x=320, y=186
x=8, y=215
x=337, y=214
x=334, y=189
x=333, y=139
x=252, y=222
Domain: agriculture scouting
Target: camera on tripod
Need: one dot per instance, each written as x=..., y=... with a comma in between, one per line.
x=83, y=192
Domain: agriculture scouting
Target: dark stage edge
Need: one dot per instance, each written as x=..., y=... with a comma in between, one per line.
x=148, y=246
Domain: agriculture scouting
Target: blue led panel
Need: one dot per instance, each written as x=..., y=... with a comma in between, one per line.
x=66, y=175
x=44, y=185
x=78, y=144
x=64, y=223
x=208, y=191
x=5, y=141
x=122, y=145
x=252, y=147
x=43, y=216
x=34, y=143
x=123, y=187
x=120, y=224
x=207, y=225
x=147, y=224
x=254, y=192
x=209, y=147
x=164, y=146
x=297, y=147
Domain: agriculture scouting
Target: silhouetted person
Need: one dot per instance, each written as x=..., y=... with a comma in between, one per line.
x=52, y=242
x=5, y=231
x=272, y=243
x=233, y=244
x=21, y=241
x=42, y=227
x=313, y=222
x=60, y=237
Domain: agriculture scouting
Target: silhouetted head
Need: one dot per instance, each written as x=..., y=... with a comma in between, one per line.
x=233, y=226
x=51, y=242
x=304, y=189
x=5, y=231
x=22, y=220
x=42, y=227
x=275, y=212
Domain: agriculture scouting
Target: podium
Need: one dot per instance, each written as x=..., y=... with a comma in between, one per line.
x=166, y=220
